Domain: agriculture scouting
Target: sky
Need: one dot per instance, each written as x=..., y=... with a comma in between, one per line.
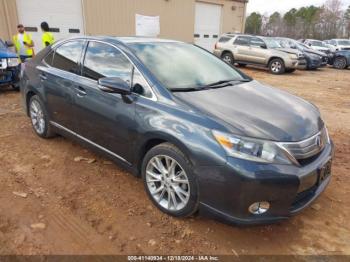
x=283, y=6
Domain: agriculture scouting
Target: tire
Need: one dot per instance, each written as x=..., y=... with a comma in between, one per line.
x=39, y=118
x=340, y=63
x=276, y=66
x=290, y=71
x=161, y=186
x=228, y=58
x=242, y=65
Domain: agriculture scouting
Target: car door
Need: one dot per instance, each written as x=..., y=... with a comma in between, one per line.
x=105, y=119
x=241, y=48
x=258, y=53
x=58, y=77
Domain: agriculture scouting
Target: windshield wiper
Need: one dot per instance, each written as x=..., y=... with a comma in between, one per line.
x=227, y=82
x=218, y=84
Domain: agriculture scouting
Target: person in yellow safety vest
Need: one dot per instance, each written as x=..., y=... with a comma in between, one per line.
x=47, y=37
x=23, y=44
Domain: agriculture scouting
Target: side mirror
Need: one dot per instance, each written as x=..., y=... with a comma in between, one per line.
x=114, y=85
x=9, y=44
x=263, y=46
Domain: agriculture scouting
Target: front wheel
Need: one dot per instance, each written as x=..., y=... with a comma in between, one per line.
x=277, y=66
x=169, y=181
x=340, y=63
x=39, y=118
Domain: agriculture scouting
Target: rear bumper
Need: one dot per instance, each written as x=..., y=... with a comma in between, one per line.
x=227, y=192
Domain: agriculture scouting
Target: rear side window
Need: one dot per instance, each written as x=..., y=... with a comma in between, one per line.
x=67, y=56
x=224, y=39
x=102, y=60
x=242, y=40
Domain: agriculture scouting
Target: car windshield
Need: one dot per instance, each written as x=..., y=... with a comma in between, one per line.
x=184, y=66
x=343, y=42
x=318, y=43
x=272, y=43
x=2, y=45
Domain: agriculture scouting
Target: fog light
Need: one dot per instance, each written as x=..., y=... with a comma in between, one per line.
x=259, y=208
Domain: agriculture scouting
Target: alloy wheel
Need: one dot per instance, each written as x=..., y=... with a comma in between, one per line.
x=340, y=63
x=227, y=59
x=37, y=117
x=276, y=67
x=167, y=183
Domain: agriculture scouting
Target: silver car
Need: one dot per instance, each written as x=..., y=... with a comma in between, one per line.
x=259, y=51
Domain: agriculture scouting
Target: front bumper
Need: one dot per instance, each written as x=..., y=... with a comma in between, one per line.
x=296, y=64
x=10, y=76
x=228, y=191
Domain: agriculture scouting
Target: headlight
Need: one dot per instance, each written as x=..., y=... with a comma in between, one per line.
x=3, y=63
x=12, y=62
x=252, y=149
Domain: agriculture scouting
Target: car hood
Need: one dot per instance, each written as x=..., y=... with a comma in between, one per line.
x=289, y=50
x=314, y=52
x=255, y=110
x=5, y=53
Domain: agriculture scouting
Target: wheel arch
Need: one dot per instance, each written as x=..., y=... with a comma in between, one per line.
x=154, y=139
x=275, y=57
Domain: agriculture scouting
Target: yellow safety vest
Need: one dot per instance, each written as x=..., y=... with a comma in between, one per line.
x=47, y=37
x=26, y=38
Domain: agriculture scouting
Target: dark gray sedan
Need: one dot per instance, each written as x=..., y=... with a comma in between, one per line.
x=201, y=134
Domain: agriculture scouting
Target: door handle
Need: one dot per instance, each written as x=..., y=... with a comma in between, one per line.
x=43, y=77
x=81, y=91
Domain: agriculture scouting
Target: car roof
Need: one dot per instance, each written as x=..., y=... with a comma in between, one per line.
x=119, y=40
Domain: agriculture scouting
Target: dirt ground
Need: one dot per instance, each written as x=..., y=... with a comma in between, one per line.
x=51, y=203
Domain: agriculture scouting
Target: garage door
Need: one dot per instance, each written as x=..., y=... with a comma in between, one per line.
x=64, y=17
x=207, y=25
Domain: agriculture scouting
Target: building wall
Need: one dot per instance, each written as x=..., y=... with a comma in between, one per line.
x=8, y=19
x=117, y=17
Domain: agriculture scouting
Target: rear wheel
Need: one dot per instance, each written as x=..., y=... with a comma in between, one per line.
x=39, y=118
x=228, y=58
x=340, y=63
x=169, y=180
x=277, y=66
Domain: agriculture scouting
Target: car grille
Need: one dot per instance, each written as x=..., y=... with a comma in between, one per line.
x=306, y=151
x=345, y=48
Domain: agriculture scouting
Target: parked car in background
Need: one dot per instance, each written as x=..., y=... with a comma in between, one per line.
x=314, y=59
x=340, y=59
x=259, y=51
x=317, y=45
x=9, y=67
x=201, y=134
x=338, y=44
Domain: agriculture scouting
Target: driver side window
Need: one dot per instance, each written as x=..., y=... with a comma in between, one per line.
x=257, y=42
x=103, y=60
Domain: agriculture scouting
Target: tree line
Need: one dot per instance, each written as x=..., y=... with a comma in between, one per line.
x=325, y=22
